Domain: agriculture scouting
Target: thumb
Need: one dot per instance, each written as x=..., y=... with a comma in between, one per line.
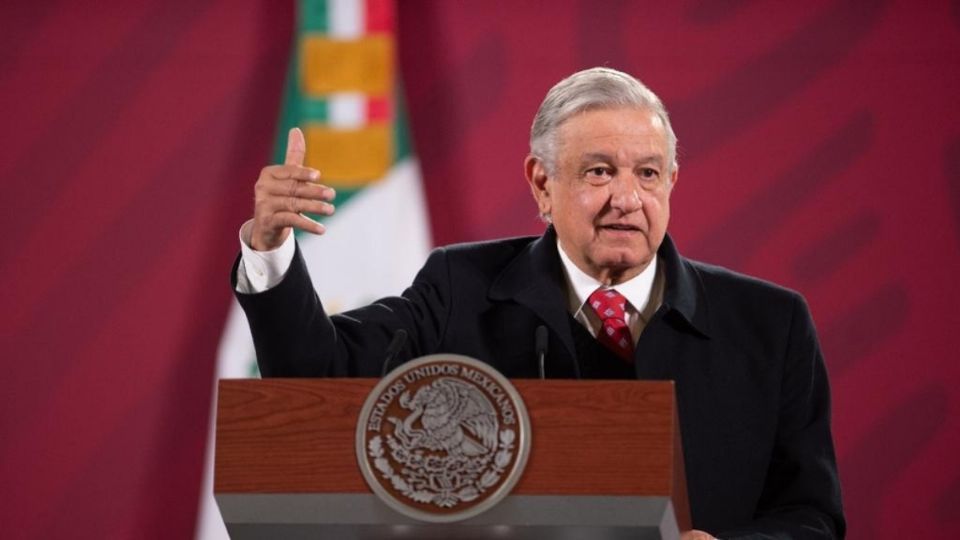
x=296, y=147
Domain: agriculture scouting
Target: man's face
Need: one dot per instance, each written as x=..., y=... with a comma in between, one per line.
x=609, y=198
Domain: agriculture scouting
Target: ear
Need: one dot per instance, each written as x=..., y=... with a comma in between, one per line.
x=674, y=176
x=536, y=174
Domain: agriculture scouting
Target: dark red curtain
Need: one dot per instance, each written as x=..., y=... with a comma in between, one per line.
x=819, y=148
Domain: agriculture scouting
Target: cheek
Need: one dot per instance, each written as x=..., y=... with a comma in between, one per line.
x=575, y=206
x=657, y=202
x=659, y=212
x=582, y=202
x=588, y=203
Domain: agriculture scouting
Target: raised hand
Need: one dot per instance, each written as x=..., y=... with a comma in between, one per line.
x=284, y=193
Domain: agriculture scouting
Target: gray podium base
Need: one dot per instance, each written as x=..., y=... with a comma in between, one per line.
x=527, y=517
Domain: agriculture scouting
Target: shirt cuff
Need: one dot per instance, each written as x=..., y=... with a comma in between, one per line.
x=260, y=271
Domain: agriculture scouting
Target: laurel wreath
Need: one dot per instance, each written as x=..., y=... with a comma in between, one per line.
x=441, y=481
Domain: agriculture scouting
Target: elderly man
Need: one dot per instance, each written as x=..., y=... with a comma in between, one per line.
x=617, y=300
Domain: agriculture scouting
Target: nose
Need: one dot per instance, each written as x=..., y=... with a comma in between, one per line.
x=625, y=195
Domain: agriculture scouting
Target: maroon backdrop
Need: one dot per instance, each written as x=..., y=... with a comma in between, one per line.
x=819, y=148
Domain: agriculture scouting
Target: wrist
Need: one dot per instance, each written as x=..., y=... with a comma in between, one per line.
x=267, y=241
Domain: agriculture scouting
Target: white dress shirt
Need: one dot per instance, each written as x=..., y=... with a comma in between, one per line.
x=644, y=293
x=260, y=271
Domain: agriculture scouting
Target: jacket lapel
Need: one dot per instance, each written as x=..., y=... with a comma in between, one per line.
x=535, y=280
x=683, y=293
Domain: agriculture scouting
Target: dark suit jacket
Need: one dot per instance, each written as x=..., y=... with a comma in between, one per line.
x=752, y=390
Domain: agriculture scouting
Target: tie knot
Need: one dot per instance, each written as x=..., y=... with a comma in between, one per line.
x=608, y=304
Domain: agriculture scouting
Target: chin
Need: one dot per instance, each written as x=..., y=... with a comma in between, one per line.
x=634, y=256
x=624, y=262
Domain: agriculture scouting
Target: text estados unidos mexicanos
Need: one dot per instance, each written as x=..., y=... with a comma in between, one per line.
x=488, y=385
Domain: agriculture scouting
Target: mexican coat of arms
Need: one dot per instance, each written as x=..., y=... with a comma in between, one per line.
x=443, y=438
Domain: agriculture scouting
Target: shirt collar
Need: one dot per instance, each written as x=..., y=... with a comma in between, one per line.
x=637, y=290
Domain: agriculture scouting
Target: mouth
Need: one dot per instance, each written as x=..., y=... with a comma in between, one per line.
x=619, y=227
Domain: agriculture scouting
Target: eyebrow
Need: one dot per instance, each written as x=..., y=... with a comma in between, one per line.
x=600, y=156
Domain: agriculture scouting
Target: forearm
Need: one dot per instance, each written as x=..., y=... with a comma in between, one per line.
x=295, y=337
x=288, y=324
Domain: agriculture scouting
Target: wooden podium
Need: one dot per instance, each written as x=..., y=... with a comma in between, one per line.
x=605, y=462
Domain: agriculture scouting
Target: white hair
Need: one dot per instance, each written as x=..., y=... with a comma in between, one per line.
x=591, y=89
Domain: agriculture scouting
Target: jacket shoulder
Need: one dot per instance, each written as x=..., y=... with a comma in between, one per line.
x=718, y=279
x=486, y=256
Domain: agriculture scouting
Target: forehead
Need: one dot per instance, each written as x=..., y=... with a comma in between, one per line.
x=617, y=131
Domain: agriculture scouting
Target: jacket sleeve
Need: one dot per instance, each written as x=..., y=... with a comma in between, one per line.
x=295, y=337
x=801, y=495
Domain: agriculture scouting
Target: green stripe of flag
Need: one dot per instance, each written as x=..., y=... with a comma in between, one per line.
x=314, y=16
x=314, y=110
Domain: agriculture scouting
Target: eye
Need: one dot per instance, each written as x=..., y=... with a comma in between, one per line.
x=598, y=175
x=648, y=173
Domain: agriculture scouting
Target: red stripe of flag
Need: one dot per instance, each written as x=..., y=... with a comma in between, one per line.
x=379, y=109
x=380, y=16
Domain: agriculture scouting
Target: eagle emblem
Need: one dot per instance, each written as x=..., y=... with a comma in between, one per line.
x=454, y=417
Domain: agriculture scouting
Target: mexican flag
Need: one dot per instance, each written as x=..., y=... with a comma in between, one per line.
x=343, y=90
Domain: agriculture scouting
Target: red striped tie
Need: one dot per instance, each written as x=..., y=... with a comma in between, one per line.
x=614, y=334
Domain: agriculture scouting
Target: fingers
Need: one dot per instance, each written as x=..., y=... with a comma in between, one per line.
x=296, y=205
x=281, y=220
x=280, y=204
x=295, y=188
x=291, y=195
x=297, y=172
x=296, y=147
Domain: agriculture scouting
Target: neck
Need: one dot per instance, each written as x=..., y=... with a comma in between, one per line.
x=611, y=277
